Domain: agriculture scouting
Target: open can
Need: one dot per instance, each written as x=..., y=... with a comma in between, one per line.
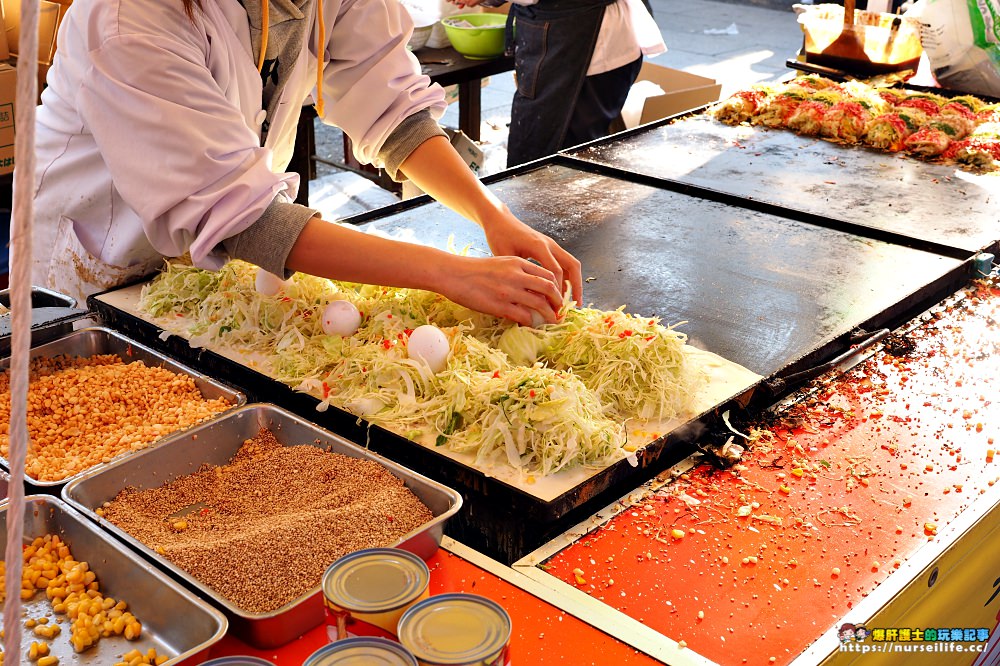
x=457, y=630
x=361, y=651
x=375, y=585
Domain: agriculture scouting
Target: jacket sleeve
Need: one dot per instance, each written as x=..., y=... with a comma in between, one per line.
x=179, y=152
x=371, y=84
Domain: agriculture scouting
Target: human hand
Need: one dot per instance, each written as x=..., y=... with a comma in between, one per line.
x=507, y=235
x=439, y=170
x=465, y=3
x=503, y=286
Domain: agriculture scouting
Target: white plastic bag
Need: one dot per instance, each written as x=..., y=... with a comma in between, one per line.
x=962, y=43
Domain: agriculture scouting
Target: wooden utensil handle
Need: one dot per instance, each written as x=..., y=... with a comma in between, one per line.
x=848, y=12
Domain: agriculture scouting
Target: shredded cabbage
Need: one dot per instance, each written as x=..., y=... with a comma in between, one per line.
x=538, y=399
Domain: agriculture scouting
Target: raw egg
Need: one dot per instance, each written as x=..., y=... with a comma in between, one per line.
x=268, y=284
x=341, y=318
x=430, y=345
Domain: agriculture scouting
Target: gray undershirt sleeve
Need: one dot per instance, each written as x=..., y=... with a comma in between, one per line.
x=410, y=133
x=267, y=242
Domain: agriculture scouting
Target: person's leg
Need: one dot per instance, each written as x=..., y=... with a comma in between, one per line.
x=551, y=57
x=599, y=103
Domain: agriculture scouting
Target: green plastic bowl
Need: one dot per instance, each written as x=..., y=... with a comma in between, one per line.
x=484, y=40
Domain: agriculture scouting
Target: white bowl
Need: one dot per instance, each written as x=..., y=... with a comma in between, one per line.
x=419, y=37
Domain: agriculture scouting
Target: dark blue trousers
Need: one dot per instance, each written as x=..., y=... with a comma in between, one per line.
x=556, y=104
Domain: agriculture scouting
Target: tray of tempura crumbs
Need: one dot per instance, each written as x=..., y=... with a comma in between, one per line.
x=96, y=395
x=130, y=609
x=250, y=509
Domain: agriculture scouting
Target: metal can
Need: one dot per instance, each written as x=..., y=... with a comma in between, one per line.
x=375, y=586
x=457, y=630
x=361, y=651
x=238, y=660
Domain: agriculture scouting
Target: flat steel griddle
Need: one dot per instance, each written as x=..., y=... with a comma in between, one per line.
x=769, y=292
x=759, y=289
x=931, y=202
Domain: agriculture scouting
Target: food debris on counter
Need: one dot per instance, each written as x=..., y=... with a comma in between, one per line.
x=859, y=471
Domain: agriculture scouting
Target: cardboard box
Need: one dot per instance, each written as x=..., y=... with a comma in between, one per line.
x=466, y=147
x=8, y=88
x=4, y=49
x=49, y=16
x=660, y=92
x=451, y=92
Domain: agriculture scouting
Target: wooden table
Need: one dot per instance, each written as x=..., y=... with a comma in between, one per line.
x=444, y=66
x=448, y=67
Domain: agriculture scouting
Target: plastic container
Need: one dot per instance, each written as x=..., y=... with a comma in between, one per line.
x=376, y=585
x=418, y=39
x=457, y=630
x=891, y=42
x=361, y=651
x=477, y=36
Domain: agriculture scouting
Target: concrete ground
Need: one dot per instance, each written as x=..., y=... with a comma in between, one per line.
x=735, y=43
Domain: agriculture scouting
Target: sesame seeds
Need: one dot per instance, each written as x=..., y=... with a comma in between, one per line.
x=261, y=530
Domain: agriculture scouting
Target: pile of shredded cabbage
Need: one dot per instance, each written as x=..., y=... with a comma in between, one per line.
x=539, y=399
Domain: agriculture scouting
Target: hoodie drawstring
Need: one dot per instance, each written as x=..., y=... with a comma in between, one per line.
x=265, y=20
x=320, y=47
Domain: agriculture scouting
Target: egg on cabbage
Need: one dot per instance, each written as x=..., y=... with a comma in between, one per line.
x=341, y=318
x=429, y=344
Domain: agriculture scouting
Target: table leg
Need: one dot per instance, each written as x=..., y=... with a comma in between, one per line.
x=469, y=111
x=302, y=156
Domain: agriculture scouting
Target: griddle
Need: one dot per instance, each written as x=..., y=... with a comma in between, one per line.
x=930, y=202
x=770, y=292
x=765, y=290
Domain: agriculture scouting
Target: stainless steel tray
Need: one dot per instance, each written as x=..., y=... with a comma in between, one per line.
x=93, y=341
x=175, y=622
x=216, y=442
x=46, y=326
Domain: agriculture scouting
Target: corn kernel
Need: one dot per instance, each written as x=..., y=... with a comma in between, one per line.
x=133, y=631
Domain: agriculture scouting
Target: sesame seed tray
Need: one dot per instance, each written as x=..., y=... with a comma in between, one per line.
x=215, y=443
x=174, y=621
x=90, y=342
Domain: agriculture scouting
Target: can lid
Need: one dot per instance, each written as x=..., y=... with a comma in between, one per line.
x=375, y=580
x=361, y=651
x=238, y=660
x=454, y=629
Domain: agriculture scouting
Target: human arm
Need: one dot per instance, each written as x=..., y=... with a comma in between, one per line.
x=437, y=169
x=511, y=286
x=505, y=286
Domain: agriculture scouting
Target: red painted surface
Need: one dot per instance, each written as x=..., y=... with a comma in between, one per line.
x=841, y=490
x=542, y=634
